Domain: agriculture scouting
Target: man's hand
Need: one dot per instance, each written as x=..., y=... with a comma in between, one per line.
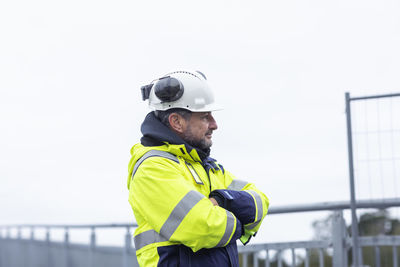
x=215, y=203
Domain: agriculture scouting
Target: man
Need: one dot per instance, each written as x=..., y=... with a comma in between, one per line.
x=190, y=211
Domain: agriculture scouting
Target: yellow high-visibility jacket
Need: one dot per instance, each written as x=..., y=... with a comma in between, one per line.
x=169, y=193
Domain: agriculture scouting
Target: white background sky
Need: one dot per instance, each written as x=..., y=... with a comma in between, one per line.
x=70, y=104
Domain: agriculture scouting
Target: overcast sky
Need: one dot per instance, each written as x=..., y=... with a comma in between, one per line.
x=70, y=103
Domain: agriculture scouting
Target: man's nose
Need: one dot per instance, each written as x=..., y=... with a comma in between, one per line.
x=213, y=124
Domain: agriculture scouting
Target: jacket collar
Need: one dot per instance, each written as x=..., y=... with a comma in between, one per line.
x=155, y=133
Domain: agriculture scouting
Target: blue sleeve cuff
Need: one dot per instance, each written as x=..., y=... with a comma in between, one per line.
x=240, y=203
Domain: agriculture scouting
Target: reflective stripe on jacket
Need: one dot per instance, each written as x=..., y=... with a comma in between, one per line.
x=177, y=223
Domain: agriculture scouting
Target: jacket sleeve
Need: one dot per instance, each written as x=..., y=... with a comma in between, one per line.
x=176, y=210
x=245, y=201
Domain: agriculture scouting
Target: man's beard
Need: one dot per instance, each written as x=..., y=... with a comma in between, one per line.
x=197, y=143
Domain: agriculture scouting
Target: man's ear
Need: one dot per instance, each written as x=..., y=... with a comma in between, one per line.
x=177, y=122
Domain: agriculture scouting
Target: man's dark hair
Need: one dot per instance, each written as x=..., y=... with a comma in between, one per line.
x=164, y=115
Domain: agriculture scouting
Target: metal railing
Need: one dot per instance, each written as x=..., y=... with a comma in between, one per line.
x=340, y=243
x=50, y=253
x=17, y=251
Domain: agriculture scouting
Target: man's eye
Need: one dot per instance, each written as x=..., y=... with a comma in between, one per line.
x=206, y=116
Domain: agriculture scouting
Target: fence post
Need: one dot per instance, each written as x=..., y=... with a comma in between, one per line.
x=31, y=256
x=377, y=256
x=244, y=259
x=19, y=235
x=338, y=239
x=128, y=244
x=307, y=261
x=394, y=252
x=92, y=247
x=48, y=247
x=32, y=233
x=1, y=247
x=66, y=247
x=255, y=259
x=279, y=254
x=267, y=264
x=7, y=241
x=20, y=247
x=321, y=257
x=293, y=258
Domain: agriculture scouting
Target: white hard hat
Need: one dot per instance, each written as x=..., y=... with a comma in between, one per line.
x=180, y=89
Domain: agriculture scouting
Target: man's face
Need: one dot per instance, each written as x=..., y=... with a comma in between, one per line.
x=198, y=130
